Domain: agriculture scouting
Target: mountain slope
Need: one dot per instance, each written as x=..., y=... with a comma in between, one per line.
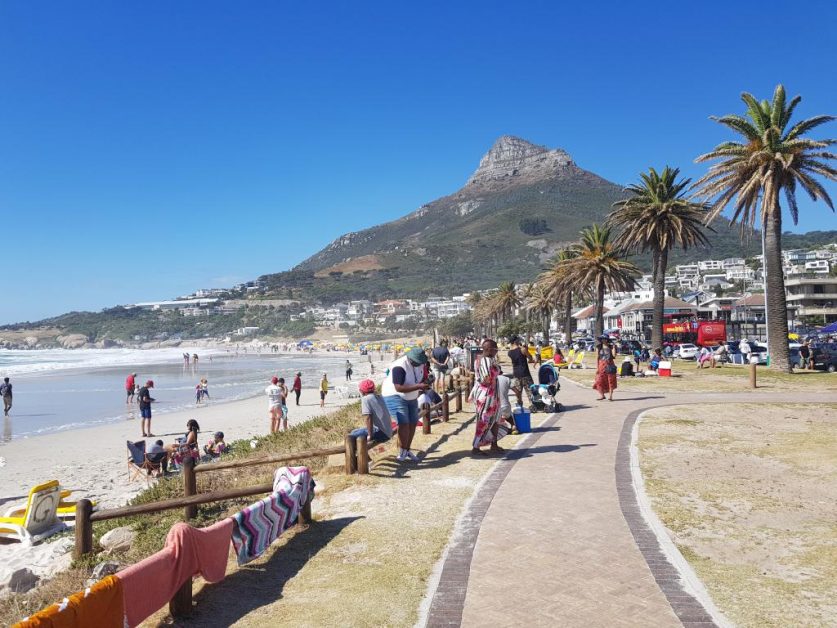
x=521, y=204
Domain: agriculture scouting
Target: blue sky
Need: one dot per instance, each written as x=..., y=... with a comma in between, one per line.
x=149, y=149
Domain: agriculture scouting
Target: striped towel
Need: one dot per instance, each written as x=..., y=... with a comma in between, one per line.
x=258, y=525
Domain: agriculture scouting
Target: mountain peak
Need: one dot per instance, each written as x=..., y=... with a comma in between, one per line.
x=512, y=158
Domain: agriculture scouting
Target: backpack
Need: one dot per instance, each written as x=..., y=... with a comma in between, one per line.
x=4, y=390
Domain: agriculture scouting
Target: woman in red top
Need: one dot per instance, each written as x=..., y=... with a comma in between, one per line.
x=297, y=387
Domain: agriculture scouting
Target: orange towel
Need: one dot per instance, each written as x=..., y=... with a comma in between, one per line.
x=151, y=583
x=100, y=607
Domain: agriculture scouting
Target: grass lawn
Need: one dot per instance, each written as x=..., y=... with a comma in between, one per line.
x=688, y=378
x=749, y=494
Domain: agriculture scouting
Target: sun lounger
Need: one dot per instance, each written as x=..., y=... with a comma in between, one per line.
x=578, y=363
x=568, y=360
x=139, y=461
x=66, y=508
x=39, y=518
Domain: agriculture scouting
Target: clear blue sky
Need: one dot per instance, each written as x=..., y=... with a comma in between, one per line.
x=151, y=148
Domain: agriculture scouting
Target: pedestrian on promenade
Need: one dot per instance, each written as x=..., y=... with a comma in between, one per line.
x=401, y=390
x=297, y=387
x=323, y=390
x=274, y=403
x=605, y=382
x=440, y=363
x=6, y=393
x=145, y=401
x=130, y=387
x=745, y=349
x=486, y=398
x=522, y=377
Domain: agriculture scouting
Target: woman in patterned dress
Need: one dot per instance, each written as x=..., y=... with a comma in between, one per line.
x=605, y=381
x=486, y=398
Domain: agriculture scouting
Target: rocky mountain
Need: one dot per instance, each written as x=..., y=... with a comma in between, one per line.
x=522, y=204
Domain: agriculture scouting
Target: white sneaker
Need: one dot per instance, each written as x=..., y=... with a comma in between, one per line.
x=412, y=456
x=402, y=455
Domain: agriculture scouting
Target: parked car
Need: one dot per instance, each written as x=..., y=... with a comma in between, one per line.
x=825, y=357
x=687, y=351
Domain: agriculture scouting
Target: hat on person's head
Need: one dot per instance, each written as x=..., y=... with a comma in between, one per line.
x=159, y=442
x=134, y=374
x=149, y=383
x=417, y=356
x=366, y=386
x=219, y=434
x=274, y=380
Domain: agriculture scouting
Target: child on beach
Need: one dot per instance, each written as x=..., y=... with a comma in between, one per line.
x=275, y=401
x=285, y=393
x=216, y=446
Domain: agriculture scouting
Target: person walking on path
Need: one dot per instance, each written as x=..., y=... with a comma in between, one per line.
x=440, y=362
x=274, y=403
x=745, y=349
x=6, y=393
x=522, y=377
x=401, y=390
x=486, y=398
x=297, y=386
x=605, y=382
x=130, y=387
x=323, y=390
x=145, y=401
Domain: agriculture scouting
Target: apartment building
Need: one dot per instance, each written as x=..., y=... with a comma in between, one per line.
x=810, y=295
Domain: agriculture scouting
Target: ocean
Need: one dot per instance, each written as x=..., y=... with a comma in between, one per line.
x=59, y=389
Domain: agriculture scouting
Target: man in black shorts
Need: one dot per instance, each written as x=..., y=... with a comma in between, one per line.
x=145, y=400
x=520, y=358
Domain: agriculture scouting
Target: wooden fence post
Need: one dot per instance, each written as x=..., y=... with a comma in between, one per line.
x=190, y=486
x=362, y=448
x=351, y=456
x=752, y=375
x=84, y=528
x=445, y=407
x=458, y=406
x=424, y=414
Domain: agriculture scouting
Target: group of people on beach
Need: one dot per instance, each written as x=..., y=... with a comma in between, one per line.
x=277, y=394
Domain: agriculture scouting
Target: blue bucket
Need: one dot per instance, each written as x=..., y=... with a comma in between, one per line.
x=523, y=421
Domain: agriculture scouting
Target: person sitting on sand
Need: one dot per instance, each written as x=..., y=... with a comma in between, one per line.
x=186, y=445
x=216, y=446
x=158, y=453
x=378, y=422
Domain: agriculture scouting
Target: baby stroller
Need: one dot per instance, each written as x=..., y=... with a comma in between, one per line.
x=544, y=392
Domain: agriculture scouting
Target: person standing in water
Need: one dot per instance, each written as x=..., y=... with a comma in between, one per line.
x=130, y=387
x=6, y=393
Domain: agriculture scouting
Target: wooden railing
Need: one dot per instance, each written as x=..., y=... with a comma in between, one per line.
x=356, y=461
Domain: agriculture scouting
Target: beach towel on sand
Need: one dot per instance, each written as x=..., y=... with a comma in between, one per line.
x=100, y=606
x=151, y=583
x=258, y=525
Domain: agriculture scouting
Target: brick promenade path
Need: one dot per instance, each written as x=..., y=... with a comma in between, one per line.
x=554, y=536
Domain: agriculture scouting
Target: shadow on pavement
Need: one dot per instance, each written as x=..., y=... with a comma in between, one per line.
x=259, y=584
x=517, y=454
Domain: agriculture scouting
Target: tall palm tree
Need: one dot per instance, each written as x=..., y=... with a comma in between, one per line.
x=656, y=216
x=598, y=266
x=507, y=299
x=539, y=302
x=553, y=281
x=752, y=174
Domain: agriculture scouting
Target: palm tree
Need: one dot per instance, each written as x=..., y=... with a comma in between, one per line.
x=598, y=266
x=539, y=301
x=770, y=159
x=656, y=217
x=507, y=299
x=553, y=281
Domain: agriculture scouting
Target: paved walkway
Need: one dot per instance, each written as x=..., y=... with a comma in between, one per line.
x=554, y=537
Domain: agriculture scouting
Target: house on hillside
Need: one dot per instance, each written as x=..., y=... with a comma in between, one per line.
x=586, y=319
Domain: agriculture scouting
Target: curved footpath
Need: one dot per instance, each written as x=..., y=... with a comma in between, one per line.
x=554, y=535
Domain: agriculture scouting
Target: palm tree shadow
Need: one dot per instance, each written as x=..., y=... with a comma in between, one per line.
x=261, y=583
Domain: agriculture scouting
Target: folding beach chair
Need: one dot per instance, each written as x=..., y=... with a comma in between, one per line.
x=39, y=518
x=578, y=363
x=139, y=461
x=568, y=360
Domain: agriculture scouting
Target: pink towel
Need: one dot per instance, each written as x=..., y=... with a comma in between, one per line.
x=151, y=583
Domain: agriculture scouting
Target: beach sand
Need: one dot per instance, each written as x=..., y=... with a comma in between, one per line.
x=93, y=461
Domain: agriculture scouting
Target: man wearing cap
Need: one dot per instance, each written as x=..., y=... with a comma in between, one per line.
x=130, y=385
x=401, y=390
x=145, y=400
x=378, y=423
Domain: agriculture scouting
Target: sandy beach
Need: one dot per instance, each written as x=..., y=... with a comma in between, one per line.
x=93, y=461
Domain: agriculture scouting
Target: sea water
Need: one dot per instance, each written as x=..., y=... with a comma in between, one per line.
x=69, y=389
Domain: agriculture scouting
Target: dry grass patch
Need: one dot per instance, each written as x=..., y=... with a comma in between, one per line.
x=749, y=494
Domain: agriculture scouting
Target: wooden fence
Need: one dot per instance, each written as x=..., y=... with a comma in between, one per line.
x=356, y=461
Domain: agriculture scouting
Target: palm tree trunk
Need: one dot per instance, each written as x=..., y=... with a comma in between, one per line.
x=659, y=281
x=600, y=289
x=775, y=303
x=545, y=319
x=568, y=318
